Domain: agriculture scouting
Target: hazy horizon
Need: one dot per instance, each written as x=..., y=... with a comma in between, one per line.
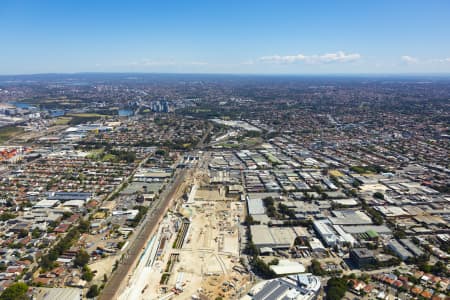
x=424, y=74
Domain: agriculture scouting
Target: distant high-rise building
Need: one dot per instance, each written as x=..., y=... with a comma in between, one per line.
x=160, y=106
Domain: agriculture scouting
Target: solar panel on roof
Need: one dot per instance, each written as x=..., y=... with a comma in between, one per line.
x=278, y=292
x=266, y=290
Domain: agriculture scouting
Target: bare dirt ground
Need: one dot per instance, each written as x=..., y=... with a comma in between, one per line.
x=34, y=135
x=201, y=264
x=103, y=266
x=210, y=251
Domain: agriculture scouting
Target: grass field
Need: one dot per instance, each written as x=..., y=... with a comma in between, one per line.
x=62, y=120
x=100, y=155
x=96, y=154
x=109, y=157
x=84, y=118
x=336, y=173
x=252, y=141
x=9, y=132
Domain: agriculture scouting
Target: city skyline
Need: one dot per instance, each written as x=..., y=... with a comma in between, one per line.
x=264, y=37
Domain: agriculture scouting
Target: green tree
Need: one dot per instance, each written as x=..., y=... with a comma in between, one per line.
x=251, y=249
x=249, y=220
x=87, y=274
x=22, y=233
x=336, y=288
x=16, y=291
x=81, y=259
x=93, y=291
x=269, y=204
x=356, y=184
x=160, y=152
x=378, y=195
x=46, y=263
x=286, y=211
x=7, y=216
x=36, y=233
x=262, y=269
x=67, y=214
x=376, y=216
x=440, y=268
x=399, y=234
x=84, y=226
x=316, y=268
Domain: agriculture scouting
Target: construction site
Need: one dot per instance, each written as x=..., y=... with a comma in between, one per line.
x=195, y=252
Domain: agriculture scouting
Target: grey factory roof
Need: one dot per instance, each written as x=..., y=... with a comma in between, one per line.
x=412, y=247
x=274, y=237
x=350, y=217
x=255, y=206
x=399, y=249
x=380, y=229
x=59, y=293
x=65, y=196
x=299, y=287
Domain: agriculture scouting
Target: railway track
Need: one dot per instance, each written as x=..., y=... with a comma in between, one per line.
x=181, y=235
x=150, y=225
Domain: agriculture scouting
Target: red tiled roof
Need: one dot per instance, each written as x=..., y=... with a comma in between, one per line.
x=416, y=290
x=426, y=294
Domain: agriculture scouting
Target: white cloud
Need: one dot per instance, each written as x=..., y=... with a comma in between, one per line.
x=444, y=60
x=414, y=60
x=409, y=59
x=437, y=60
x=338, y=57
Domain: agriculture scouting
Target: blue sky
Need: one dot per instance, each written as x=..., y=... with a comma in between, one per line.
x=215, y=36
